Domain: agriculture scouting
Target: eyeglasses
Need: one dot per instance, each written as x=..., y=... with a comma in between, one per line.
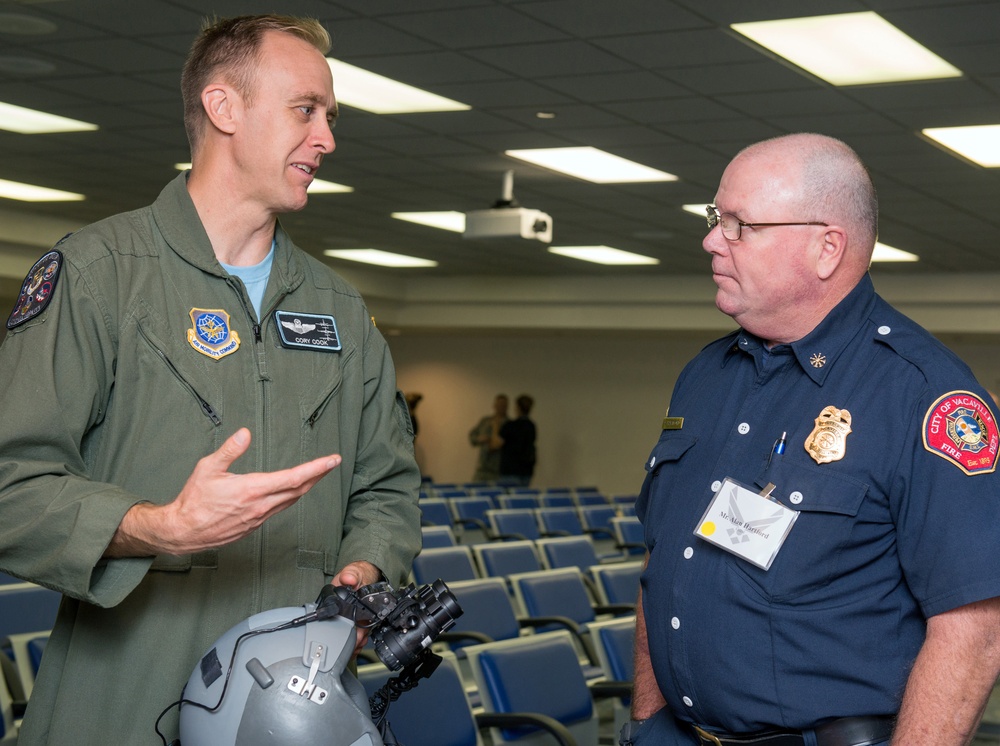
x=732, y=226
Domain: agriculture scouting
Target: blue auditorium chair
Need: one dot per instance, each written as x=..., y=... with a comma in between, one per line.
x=434, y=537
x=518, y=524
x=446, y=563
x=617, y=583
x=503, y=558
x=538, y=672
x=629, y=535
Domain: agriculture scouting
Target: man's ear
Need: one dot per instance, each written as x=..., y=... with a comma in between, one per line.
x=831, y=251
x=221, y=103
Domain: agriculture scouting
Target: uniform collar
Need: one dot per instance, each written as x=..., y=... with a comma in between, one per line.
x=818, y=351
x=182, y=229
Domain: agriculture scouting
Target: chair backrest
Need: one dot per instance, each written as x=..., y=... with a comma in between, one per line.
x=617, y=583
x=434, y=713
x=590, y=498
x=502, y=558
x=539, y=673
x=26, y=607
x=6, y=579
x=487, y=609
x=598, y=518
x=560, y=592
x=437, y=536
x=629, y=534
x=27, y=648
x=568, y=551
x=563, y=521
x=434, y=512
x=519, y=524
x=473, y=508
x=446, y=563
x=516, y=502
x=557, y=500
x=614, y=641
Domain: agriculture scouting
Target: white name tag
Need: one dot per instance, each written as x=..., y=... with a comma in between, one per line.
x=746, y=523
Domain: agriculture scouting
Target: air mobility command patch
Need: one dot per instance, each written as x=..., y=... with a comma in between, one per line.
x=211, y=334
x=960, y=428
x=36, y=291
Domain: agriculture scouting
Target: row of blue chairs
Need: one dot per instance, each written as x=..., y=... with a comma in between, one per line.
x=535, y=653
x=27, y=613
x=477, y=519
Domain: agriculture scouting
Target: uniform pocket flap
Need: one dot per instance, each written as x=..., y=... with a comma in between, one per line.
x=669, y=449
x=815, y=489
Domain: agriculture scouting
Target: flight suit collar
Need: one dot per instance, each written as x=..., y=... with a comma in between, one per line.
x=818, y=351
x=182, y=229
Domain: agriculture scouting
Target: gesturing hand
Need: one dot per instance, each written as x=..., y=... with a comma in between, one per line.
x=215, y=507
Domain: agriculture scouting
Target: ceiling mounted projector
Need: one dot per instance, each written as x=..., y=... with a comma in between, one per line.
x=507, y=219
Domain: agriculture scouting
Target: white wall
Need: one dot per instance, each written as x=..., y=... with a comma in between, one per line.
x=599, y=396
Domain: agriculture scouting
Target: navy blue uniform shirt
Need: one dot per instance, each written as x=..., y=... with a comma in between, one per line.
x=903, y=527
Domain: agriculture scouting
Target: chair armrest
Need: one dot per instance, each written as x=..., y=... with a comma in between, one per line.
x=460, y=636
x=562, y=621
x=609, y=689
x=511, y=719
x=616, y=609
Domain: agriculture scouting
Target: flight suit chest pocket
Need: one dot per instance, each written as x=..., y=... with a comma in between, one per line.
x=814, y=552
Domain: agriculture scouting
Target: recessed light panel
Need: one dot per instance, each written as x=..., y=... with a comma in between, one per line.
x=602, y=255
x=32, y=193
x=884, y=253
x=380, y=95
x=448, y=220
x=849, y=48
x=381, y=258
x=318, y=186
x=980, y=144
x=31, y=122
x=591, y=164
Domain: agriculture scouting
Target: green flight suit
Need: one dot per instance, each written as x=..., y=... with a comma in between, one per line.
x=106, y=404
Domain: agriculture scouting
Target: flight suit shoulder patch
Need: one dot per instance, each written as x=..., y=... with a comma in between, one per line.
x=37, y=289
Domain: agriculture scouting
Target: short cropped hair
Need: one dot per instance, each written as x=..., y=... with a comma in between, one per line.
x=231, y=47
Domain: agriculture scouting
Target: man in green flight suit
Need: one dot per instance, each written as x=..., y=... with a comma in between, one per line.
x=201, y=421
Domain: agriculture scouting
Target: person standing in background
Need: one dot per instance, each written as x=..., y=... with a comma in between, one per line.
x=485, y=436
x=517, y=445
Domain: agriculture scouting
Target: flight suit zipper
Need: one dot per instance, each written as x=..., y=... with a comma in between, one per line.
x=206, y=408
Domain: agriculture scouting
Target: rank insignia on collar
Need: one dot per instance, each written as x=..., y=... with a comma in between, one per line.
x=818, y=360
x=828, y=440
x=960, y=428
x=36, y=290
x=307, y=331
x=211, y=334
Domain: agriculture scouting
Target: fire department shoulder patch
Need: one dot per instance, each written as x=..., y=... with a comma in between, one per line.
x=960, y=428
x=36, y=290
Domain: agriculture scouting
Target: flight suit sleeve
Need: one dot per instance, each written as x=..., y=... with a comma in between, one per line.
x=382, y=521
x=55, y=523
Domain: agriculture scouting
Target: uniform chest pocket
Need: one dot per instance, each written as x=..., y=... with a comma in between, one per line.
x=653, y=504
x=814, y=555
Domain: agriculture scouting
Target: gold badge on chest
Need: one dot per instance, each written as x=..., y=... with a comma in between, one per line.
x=828, y=440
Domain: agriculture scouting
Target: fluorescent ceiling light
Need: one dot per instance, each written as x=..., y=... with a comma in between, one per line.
x=318, y=186
x=372, y=92
x=591, y=164
x=849, y=48
x=32, y=193
x=31, y=122
x=980, y=144
x=884, y=253
x=448, y=220
x=602, y=255
x=698, y=210
x=381, y=258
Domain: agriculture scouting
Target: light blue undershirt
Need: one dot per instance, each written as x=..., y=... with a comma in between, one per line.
x=254, y=278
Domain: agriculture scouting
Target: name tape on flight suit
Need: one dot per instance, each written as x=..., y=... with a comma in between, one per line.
x=307, y=331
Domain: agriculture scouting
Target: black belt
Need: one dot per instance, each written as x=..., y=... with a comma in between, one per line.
x=853, y=731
